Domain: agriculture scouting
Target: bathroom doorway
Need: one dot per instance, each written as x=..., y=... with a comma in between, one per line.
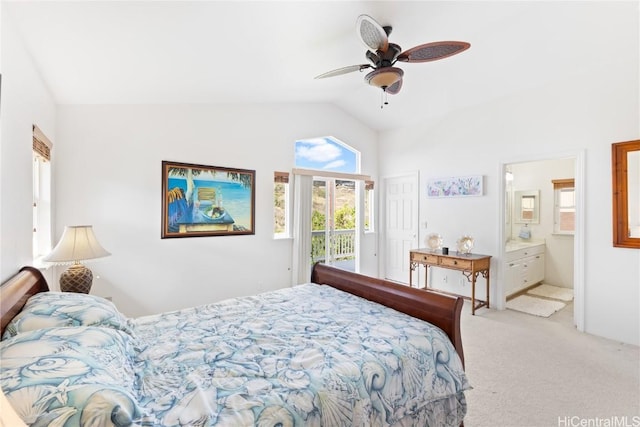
x=542, y=235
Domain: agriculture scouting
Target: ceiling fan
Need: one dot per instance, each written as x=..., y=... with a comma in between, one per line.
x=382, y=55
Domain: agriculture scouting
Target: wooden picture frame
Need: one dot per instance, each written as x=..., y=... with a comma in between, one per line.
x=200, y=200
x=625, y=164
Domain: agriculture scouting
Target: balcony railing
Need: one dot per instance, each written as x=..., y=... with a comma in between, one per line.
x=342, y=245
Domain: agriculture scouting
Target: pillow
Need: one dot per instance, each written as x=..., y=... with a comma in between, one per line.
x=51, y=309
x=78, y=375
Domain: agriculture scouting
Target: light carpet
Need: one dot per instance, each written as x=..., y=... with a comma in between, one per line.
x=555, y=292
x=535, y=306
x=530, y=371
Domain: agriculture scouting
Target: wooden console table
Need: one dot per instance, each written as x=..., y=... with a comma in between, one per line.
x=471, y=265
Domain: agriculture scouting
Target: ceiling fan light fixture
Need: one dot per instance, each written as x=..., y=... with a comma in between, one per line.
x=384, y=77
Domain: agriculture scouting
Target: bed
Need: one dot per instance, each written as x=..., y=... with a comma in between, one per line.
x=344, y=349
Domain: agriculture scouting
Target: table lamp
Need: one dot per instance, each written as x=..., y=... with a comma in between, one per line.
x=78, y=243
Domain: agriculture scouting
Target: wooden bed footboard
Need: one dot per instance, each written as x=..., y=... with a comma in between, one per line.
x=15, y=292
x=440, y=310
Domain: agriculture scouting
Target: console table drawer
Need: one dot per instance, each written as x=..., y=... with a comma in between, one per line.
x=456, y=263
x=426, y=258
x=470, y=266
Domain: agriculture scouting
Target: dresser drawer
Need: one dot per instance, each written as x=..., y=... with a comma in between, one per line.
x=418, y=257
x=524, y=252
x=461, y=264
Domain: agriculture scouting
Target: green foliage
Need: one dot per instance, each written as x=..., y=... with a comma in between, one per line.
x=278, y=195
x=317, y=221
x=345, y=218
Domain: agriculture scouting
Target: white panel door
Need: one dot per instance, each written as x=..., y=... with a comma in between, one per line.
x=401, y=225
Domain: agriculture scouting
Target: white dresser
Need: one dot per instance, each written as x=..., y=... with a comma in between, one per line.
x=524, y=265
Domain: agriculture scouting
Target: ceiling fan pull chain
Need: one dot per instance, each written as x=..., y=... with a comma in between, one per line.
x=383, y=98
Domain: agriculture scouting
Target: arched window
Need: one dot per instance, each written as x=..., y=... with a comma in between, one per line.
x=326, y=154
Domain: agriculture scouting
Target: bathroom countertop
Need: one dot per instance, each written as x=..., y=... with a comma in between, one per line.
x=514, y=245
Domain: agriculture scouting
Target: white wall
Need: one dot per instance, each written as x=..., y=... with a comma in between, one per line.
x=586, y=113
x=107, y=172
x=108, y=160
x=25, y=101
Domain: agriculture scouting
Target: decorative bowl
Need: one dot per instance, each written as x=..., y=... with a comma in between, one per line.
x=434, y=241
x=465, y=244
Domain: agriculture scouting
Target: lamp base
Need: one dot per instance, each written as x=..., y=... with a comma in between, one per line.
x=76, y=278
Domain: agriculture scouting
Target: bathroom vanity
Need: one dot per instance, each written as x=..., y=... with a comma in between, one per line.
x=524, y=265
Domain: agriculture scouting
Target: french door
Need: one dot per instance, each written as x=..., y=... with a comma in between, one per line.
x=333, y=222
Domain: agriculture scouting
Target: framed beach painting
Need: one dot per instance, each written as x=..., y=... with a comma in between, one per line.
x=199, y=200
x=457, y=186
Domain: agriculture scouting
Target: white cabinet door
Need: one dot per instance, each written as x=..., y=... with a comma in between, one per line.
x=533, y=270
x=513, y=277
x=525, y=267
x=535, y=273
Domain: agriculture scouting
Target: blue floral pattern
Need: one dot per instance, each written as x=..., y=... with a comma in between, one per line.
x=70, y=376
x=51, y=309
x=304, y=356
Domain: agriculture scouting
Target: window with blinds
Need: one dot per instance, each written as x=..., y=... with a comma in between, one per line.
x=368, y=207
x=565, y=206
x=41, y=161
x=281, y=205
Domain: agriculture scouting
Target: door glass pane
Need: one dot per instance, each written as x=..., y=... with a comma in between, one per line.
x=334, y=223
x=318, y=221
x=344, y=232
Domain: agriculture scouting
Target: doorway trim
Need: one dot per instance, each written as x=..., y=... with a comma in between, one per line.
x=331, y=233
x=578, y=238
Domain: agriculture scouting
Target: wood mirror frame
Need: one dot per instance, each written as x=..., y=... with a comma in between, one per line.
x=621, y=230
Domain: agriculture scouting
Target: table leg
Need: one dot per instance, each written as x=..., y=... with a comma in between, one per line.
x=487, y=288
x=473, y=294
x=410, y=274
x=426, y=276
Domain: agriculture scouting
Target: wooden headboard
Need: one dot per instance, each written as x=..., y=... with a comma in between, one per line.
x=15, y=292
x=438, y=309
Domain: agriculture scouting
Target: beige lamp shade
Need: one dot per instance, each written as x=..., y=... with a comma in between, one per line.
x=78, y=243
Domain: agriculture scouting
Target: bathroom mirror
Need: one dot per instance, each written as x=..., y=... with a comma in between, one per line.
x=527, y=207
x=625, y=158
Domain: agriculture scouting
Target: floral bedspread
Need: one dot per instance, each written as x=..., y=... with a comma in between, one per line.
x=305, y=356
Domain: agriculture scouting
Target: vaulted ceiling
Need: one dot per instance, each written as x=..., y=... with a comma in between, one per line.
x=191, y=52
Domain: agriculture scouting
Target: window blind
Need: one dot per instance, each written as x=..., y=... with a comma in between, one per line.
x=563, y=183
x=41, y=144
x=281, y=177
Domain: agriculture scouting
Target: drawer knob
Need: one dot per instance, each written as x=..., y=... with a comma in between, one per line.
x=455, y=262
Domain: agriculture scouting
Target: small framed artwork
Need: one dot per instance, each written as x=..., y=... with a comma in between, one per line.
x=199, y=200
x=457, y=186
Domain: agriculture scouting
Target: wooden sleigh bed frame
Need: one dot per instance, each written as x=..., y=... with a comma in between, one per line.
x=440, y=310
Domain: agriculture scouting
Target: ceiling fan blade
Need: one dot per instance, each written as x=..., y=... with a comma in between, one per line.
x=394, y=88
x=372, y=34
x=433, y=51
x=343, y=70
